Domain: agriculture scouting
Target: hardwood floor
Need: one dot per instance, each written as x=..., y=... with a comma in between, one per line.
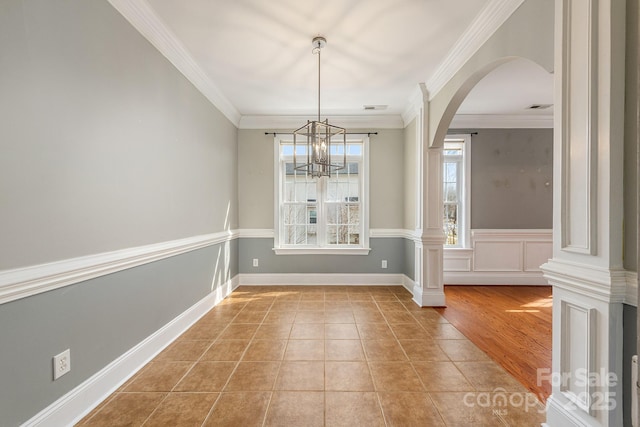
x=512, y=324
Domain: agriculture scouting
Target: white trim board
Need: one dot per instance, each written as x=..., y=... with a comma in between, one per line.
x=23, y=282
x=494, y=278
x=293, y=279
x=378, y=233
x=631, y=297
x=77, y=403
x=256, y=233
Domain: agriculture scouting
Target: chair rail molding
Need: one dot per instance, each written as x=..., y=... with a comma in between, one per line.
x=23, y=282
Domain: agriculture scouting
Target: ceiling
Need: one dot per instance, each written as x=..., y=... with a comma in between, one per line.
x=258, y=54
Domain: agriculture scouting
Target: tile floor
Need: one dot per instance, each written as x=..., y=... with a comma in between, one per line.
x=320, y=356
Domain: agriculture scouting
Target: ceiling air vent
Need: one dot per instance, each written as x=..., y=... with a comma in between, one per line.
x=375, y=107
x=538, y=106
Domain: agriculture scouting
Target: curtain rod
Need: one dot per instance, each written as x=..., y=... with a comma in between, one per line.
x=347, y=133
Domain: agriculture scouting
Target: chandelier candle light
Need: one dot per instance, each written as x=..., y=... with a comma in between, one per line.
x=320, y=138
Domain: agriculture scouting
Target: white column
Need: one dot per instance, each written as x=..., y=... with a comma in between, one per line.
x=428, y=290
x=586, y=269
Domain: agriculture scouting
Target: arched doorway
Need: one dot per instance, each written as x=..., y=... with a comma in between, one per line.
x=509, y=197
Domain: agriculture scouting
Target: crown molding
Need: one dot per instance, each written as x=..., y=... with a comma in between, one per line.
x=386, y=121
x=490, y=18
x=142, y=17
x=415, y=104
x=501, y=121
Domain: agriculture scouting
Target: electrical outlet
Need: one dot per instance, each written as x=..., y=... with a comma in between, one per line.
x=61, y=364
x=255, y=262
x=384, y=263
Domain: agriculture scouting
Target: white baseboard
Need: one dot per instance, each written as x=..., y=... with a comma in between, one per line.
x=559, y=416
x=495, y=278
x=74, y=405
x=408, y=284
x=434, y=298
x=288, y=279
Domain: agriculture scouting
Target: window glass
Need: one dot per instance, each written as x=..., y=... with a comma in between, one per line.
x=321, y=212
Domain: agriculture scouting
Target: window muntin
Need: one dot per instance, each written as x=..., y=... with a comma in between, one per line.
x=322, y=213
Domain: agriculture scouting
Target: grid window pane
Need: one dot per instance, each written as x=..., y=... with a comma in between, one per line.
x=321, y=211
x=451, y=223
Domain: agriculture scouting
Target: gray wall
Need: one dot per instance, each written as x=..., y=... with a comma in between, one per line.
x=104, y=144
x=256, y=206
x=631, y=141
x=386, y=179
x=391, y=249
x=98, y=320
x=410, y=175
x=511, y=178
x=629, y=331
x=256, y=179
x=409, y=258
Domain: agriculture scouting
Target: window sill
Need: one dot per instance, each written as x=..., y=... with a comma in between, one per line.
x=322, y=251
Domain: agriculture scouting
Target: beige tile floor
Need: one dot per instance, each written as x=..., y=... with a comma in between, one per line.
x=320, y=356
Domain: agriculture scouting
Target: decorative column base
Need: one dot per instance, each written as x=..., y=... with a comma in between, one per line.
x=428, y=298
x=428, y=290
x=586, y=373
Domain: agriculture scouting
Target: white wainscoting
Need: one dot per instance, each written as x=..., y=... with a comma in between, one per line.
x=499, y=257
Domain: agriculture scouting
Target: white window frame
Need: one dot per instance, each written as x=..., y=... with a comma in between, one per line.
x=361, y=249
x=464, y=214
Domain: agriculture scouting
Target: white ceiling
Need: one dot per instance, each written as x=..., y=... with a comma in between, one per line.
x=511, y=89
x=258, y=54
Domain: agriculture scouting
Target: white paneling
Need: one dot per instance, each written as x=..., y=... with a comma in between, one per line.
x=579, y=133
x=434, y=268
x=457, y=264
x=500, y=257
x=497, y=256
x=577, y=328
x=536, y=254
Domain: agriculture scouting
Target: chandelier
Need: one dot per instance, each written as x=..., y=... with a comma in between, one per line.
x=323, y=142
